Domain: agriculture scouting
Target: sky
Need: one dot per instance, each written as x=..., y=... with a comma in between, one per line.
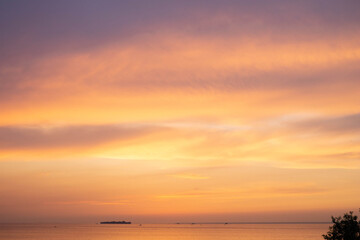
x=179, y=111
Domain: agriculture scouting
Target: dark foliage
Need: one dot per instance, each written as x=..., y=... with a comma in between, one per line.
x=344, y=228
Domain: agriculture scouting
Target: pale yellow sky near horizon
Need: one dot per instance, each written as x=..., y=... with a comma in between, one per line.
x=223, y=116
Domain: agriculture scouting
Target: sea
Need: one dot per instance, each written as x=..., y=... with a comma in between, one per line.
x=268, y=231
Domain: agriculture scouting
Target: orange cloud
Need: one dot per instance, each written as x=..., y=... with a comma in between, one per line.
x=182, y=120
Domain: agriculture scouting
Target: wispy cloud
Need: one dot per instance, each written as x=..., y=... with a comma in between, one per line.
x=332, y=125
x=43, y=137
x=96, y=203
x=249, y=193
x=178, y=106
x=189, y=176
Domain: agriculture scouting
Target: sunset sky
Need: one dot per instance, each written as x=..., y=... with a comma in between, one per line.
x=179, y=111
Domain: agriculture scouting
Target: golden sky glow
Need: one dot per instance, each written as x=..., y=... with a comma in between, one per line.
x=211, y=111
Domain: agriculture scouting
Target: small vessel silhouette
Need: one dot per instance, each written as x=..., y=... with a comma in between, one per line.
x=116, y=222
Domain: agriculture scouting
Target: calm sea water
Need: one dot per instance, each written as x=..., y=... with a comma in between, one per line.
x=163, y=231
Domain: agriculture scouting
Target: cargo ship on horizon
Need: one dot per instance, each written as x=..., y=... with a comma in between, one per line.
x=116, y=222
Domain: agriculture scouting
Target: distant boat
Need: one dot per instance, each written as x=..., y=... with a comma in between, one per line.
x=116, y=222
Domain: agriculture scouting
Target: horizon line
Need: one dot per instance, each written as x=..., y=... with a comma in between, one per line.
x=178, y=223
x=254, y=223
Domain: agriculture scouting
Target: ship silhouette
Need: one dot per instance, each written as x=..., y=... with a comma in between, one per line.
x=116, y=222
